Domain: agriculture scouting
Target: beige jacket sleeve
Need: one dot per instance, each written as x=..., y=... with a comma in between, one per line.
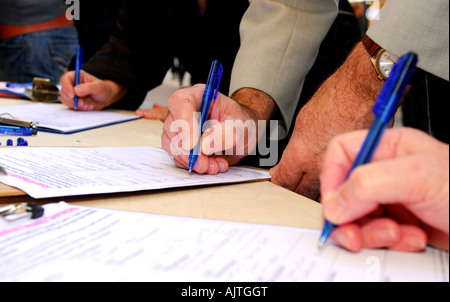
x=279, y=44
x=418, y=26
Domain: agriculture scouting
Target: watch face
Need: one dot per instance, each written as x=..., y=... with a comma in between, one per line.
x=386, y=61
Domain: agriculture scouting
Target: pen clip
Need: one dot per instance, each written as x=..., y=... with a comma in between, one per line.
x=24, y=210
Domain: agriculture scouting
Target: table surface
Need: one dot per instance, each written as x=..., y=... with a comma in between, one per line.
x=254, y=202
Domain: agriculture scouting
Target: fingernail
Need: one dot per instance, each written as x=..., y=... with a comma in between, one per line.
x=416, y=242
x=342, y=240
x=211, y=168
x=222, y=166
x=386, y=237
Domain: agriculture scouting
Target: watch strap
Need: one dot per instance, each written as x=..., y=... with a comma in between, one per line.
x=372, y=47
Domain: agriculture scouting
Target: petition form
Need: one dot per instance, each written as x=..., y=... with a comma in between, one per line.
x=58, y=171
x=72, y=243
x=59, y=118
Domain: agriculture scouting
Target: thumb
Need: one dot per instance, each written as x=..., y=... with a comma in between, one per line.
x=222, y=137
x=91, y=88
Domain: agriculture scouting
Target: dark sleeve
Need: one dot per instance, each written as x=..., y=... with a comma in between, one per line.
x=138, y=53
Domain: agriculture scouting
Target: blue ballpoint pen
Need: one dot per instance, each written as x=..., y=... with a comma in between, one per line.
x=16, y=131
x=384, y=110
x=78, y=63
x=210, y=94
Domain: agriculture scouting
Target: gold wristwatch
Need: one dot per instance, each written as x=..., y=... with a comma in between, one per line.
x=382, y=59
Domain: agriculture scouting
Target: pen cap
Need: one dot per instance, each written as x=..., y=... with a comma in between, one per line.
x=392, y=91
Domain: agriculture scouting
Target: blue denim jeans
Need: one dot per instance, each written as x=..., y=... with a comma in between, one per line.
x=44, y=54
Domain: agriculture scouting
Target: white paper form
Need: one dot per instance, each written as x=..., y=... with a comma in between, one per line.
x=60, y=171
x=60, y=119
x=85, y=244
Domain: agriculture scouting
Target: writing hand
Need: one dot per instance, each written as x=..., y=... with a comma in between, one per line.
x=223, y=143
x=398, y=201
x=93, y=93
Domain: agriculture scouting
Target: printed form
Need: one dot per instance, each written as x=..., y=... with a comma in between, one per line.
x=72, y=243
x=60, y=119
x=59, y=171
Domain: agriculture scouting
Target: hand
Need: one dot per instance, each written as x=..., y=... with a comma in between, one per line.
x=398, y=201
x=156, y=113
x=93, y=93
x=343, y=103
x=225, y=141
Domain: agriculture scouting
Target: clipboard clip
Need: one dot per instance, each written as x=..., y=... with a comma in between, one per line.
x=24, y=210
x=12, y=121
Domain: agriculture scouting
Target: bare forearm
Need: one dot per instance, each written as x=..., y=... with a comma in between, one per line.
x=258, y=104
x=345, y=101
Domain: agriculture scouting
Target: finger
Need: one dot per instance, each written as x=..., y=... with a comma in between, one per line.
x=67, y=89
x=213, y=167
x=179, y=132
x=86, y=104
x=203, y=164
x=380, y=233
x=365, y=189
x=413, y=239
x=286, y=175
x=223, y=164
x=166, y=144
x=309, y=186
x=184, y=105
x=90, y=88
x=343, y=150
x=158, y=113
x=349, y=237
x=220, y=137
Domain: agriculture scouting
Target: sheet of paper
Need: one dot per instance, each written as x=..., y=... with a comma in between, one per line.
x=85, y=244
x=60, y=171
x=60, y=119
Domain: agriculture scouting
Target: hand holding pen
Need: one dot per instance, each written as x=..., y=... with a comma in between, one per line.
x=83, y=91
x=399, y=201
x=218, y=142
x=93, y=93
x=209, y=96
x=384, y=110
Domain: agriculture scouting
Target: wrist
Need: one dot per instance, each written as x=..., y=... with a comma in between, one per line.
x=117, y=91
x=259, y=105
